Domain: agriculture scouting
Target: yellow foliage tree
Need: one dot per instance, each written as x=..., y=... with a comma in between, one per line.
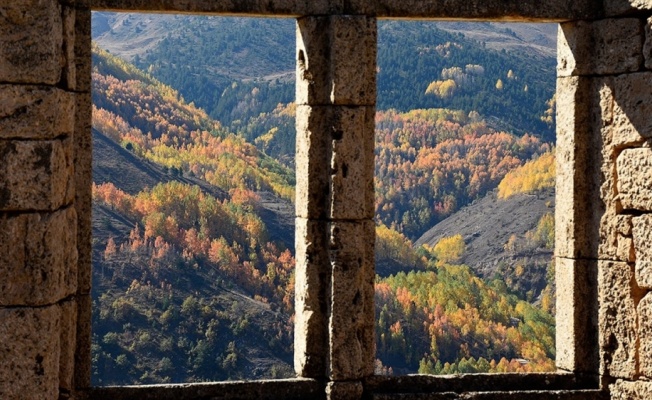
x=443, y=89
x=534, y=175
x=450, y=249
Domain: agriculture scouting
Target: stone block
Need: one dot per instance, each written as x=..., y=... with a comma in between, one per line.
x=68, y=345
x=576, y=338
x=39, y=262
x=645, y=334
x=35, y=112
x=29, y=353
x=344, y=390
x=647, y=47
x=313, y=155
x=290, y=8
x=632, y=108
x=312, y=291
x=36, y=175
x=609, y=46
x=519, y=11
x=614, y=8
x=617, y=46
x=618, y=335
x=31, y=41
x=642, y=234
x=82, y=370
x=83, y=149
x=634, y=171
x=577, y=214
x=336, y=60
x=352, y=163
x=77, y=47
x=335, y=162
x=625, y=251
x=351, y=249
x=574, y=47
x=616, y=238
x=83, y=4
x=625, y=390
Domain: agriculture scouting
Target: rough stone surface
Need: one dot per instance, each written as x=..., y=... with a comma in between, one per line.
x=647, y=47
x=312, y=290
x=287, y=389
x=617, y=46
x=609, y=46
x=68, y=344
x=35, y=175
x=29, y=353
x=557, y=10
x=335, y=162
x=35, y=112
x=642, y=233
x=632, y=108
x=624, y=390
x=352, y=163
x=500, y=395
x=82, y=370
x=77, y=48
x=622, y=7
x=460, y=383
x=39, y=257
x=336, y=60
x=634, y=169
x=31, y=41
x=577, y=212
x=240, y=7
x=83, y=143
x=618, y=319
x=313, y=154
x=573, y=47
x=645, y=334
x=344, y=390
x=351, y=248
x=576, y=315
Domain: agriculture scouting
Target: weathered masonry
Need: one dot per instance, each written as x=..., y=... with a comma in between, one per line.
x=604, y=200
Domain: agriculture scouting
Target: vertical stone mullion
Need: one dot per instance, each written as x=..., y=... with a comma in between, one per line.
x=336, y=95
x=577, y=213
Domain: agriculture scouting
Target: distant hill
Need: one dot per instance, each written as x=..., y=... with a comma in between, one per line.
x=218, y=63
x=538, y=40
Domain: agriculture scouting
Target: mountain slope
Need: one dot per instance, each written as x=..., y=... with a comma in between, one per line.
x=191, y=286
x=219, y=62
x=487, y=225
x=192, y=272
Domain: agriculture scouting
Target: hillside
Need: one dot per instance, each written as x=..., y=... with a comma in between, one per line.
x=487, y=225
x=239, y=68
x=193, y=276
x=112, y=163
x=537, y=40
x=193, y=282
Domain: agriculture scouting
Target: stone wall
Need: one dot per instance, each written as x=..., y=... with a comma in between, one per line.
x=44, y=198
x=603, y=217
x=604, y=158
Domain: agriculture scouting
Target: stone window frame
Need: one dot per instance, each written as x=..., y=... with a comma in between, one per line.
x=334, y=352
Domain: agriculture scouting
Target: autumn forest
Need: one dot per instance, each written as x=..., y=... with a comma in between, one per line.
x=193, y=249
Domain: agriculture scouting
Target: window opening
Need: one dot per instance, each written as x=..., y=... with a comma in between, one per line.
x=465, y=198
x=193, y=215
